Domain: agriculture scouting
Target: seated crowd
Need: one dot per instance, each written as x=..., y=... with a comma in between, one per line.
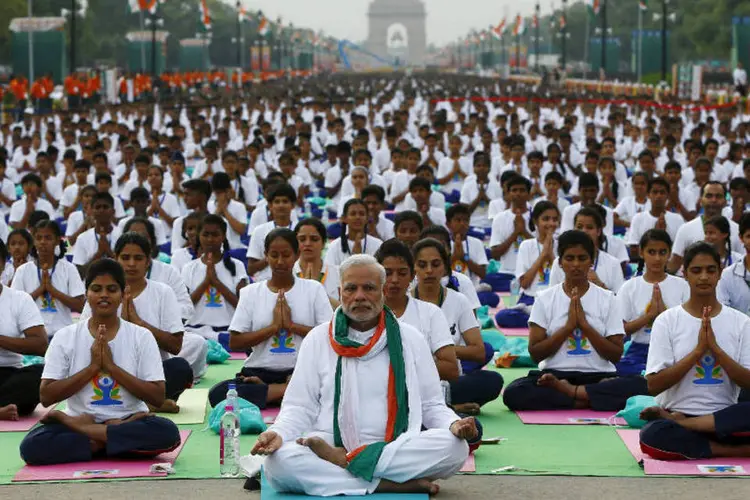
x=348, y=251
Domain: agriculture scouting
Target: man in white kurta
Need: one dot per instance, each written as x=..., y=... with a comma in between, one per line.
x=299, y=462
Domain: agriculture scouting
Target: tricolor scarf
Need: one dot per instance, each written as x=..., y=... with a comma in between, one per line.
x=364, y=458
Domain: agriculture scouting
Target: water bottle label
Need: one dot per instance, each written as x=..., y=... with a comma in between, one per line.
x=221, y=446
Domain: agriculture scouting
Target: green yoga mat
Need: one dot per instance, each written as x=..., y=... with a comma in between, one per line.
x=268, y=493
x=542, y=449
x=192, y=404
x=549, y=449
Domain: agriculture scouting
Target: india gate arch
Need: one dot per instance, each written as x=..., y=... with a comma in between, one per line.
x=398, y=29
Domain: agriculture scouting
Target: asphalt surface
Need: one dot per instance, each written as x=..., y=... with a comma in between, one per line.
x=459, y=487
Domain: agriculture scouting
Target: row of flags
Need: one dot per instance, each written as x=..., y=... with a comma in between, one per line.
x=265, y=25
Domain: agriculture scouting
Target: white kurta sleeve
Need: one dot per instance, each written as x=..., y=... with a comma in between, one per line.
x=301, y=405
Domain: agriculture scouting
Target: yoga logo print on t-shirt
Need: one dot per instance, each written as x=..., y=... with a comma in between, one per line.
x=213, y=298
x=544, y=275
x=708, y=371
x=48, y=304
x=283, y=343
x=106, y=391
x=578, y=344
x=647, y=329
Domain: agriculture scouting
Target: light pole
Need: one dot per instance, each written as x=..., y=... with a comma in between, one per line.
x=604, y=36
x=664, y=40
x=536, y=40
x=536, y=36
x=154, y=21
x=564, y=33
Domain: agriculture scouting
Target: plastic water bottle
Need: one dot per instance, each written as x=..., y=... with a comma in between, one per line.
x=229, y=442
x=308, y=208
x=326, y=217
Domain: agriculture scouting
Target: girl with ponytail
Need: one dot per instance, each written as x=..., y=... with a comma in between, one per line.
x=717, y=232
x=354, y=239
x=643, y=298
x=52, y=281
x=214, y=280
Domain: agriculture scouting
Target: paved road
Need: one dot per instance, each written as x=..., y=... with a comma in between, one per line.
x=458, y=488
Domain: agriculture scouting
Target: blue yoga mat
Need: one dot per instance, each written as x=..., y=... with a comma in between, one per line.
x=268, y=493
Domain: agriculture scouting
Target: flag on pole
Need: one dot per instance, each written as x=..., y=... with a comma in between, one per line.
x=142, y=5
x=205, y=15
x=499, y=30
x=263, y=25
x=519, y=27
x=593, y=7
x=643, y=4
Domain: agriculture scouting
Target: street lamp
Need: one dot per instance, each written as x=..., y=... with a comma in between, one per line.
x=664, y=17
x=240, y=45
x=206, y=37
x=154, y=21
x=537, y=40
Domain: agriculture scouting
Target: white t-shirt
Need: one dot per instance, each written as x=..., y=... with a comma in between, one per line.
x=465, y=287
x=155, y=305
x=19, y=208
x=446, y=166
x=550, y=311
x=19, y=314
x=606, y=267
x=212, y=309
x=693, y=232
x=133, y=349
x=528, y=253
x=180, y=257
x=261, y=214
x=734, y=287
x=502, y=227
x=335, y=255
x=428, y=320
x=635, y=295
x=400, y=185
x=706, y=388
x=9, y=191
x=459, y=314
x=169, y=203
x=469, y=193
x=65, y=278
x=309, y=304
x=164, y=273
x=644, y=221
x=87, y=245
x=239, y=212
x=474, y=249
x=629, y=207
x=569, y=216
x=257, y=250
x=616, y=248
x=330, y=279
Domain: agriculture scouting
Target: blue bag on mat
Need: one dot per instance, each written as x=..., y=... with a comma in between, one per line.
x=251, y=420
x=489, y=299
x=216, y=353
x=633, y=408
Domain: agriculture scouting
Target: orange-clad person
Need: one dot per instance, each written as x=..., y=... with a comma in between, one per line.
x=19, y=86
x=93, y=86
x=72, y=86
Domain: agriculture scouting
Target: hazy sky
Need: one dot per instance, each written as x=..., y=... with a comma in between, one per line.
x=446, y=19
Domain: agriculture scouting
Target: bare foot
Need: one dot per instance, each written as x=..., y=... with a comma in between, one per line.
x=659, y=413
x=169, y=406
x=563, y=386
x=56, y=416
x=471, y=409
x=252, y=380
x=413, y=486
x=9, y=412
x=337, y=456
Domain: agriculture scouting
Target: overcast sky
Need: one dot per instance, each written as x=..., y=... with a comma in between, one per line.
x=348, y=18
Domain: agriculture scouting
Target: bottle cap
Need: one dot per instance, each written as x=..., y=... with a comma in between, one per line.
x=232, y=385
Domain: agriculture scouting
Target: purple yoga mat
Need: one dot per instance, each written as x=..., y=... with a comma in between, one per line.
x=708, y=467
x=26, y=423
x=514, y=332
x=470, y=465
x=569, y=417
x=99, y=469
